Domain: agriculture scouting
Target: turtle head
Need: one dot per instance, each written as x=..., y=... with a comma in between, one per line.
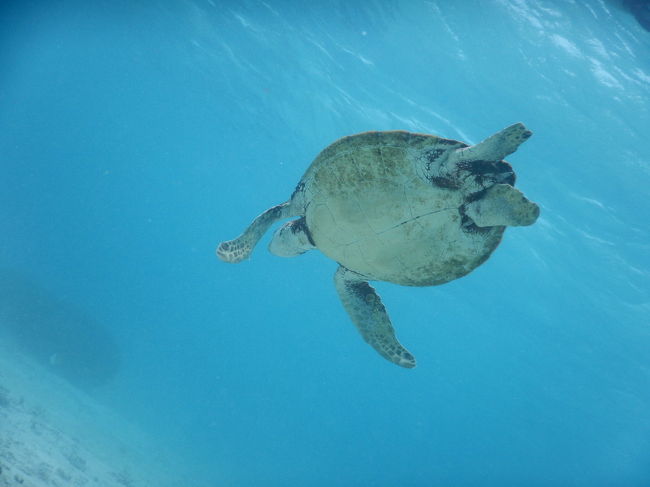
x=501, y=205
x=487, y=181
x=469, y=176
x=475, y=168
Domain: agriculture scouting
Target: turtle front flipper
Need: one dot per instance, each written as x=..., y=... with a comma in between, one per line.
x=495, y=147
x=368, y=313
x=236, y=250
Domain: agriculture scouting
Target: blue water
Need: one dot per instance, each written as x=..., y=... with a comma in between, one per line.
x=136, y=135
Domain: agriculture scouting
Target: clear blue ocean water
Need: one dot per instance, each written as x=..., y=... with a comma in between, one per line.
x=136, y=135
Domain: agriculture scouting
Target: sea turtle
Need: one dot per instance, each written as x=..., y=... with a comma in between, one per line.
x=401, y=207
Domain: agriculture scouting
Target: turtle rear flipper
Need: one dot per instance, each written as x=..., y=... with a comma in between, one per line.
x=236, y=250
x=291, y=239
x=368, y=313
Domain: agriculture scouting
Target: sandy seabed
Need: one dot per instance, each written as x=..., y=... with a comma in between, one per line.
x=54, y=435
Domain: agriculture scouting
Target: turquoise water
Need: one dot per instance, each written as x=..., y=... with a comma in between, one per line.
x=136, y=135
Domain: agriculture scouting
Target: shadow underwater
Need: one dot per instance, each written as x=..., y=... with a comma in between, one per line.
x=59, y=335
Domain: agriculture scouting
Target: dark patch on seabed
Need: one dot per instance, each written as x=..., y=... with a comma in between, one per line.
x=58, y=334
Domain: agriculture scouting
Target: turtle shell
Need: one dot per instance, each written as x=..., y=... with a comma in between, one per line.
x=372, y=204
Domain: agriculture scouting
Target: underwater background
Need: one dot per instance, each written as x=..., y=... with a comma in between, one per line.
x=136, y=135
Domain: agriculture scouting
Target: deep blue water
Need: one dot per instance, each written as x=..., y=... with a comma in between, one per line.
x=136, y=135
